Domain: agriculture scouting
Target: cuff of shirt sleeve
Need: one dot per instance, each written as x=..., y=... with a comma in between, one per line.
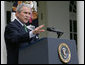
x=31, y=34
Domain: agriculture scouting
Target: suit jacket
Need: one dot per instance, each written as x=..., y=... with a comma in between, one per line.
x=15, y=35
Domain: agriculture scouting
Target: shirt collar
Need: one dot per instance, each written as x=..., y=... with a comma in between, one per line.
x=19, y=21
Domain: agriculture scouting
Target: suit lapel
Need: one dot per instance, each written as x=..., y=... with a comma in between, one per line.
x=21, y=28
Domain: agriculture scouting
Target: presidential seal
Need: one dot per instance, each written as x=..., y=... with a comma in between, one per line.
x=64, y=53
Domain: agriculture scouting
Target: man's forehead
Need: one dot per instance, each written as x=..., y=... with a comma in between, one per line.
x=26, y=8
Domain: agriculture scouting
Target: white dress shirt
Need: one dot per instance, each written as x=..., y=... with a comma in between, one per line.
x=30, y=33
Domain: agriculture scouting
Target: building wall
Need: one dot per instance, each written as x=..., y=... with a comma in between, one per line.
x=55, y=14
x=42, y=16
x=58, y=17
x=8, y=6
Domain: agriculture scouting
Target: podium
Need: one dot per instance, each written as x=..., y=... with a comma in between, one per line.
x=49, y=51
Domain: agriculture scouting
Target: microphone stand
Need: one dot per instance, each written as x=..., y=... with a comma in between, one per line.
x=53, y=30
x=59, y=34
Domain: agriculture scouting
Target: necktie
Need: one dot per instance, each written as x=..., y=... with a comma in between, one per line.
x=25, y=27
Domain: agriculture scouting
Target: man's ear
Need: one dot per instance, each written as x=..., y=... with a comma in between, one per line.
x=17, y=14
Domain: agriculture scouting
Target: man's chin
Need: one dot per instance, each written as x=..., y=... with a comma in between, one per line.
x=26, y=21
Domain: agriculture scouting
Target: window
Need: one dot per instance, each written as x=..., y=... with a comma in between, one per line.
x=73, y=30
x=73, y=20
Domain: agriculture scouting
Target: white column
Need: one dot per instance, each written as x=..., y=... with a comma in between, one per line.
x=3, y=23
x=80, y=29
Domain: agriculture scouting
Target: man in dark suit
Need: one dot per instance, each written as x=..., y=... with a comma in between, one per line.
x=16, y=33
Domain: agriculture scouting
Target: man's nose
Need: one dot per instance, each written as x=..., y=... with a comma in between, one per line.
x=27, y=15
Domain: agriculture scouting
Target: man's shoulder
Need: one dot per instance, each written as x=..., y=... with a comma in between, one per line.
x=12, y=23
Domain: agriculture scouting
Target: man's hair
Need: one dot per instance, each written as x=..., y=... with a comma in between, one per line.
x=19, y=7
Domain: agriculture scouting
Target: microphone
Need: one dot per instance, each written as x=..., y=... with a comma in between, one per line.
x=51, y=29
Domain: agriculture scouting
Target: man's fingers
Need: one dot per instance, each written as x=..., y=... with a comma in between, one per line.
x=41, y=30
x=38, y=28
x=38, y=31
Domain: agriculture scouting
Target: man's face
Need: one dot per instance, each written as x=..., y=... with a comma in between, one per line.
x=24, y=15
